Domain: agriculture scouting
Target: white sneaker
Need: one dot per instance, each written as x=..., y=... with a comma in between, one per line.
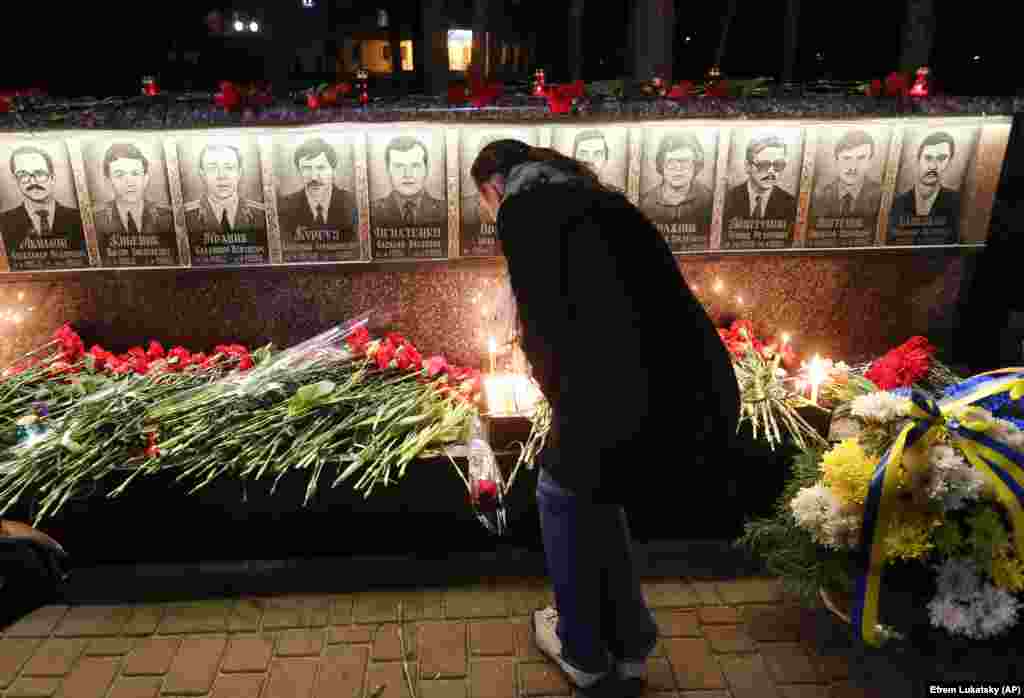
x=545, y=635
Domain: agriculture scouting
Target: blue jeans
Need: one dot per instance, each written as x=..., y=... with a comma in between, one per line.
x=601, y=607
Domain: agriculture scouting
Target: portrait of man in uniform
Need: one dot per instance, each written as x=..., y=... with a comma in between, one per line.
x=929, y=209
x=38, y=216
x=760, y=196
x=680, y=196
x=126, y=171
x=221, y=209
x=407, y=162
x=320, y=203
x=852, y=192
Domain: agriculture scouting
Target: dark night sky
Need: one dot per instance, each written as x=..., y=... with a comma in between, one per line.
x=121, y=41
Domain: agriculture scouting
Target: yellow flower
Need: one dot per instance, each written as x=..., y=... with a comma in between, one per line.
x=848, y=470
x=1008, y=570
x=909, y=534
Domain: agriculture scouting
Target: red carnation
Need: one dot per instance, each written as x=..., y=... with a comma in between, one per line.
x=436, y=365
x=415, y=359
x=385, y=353
x=199, y=359
x=101, y=357
x=71, y=344
x=903, y=366
x=155, y=351
x=358, y=340
x=179, y=357
x=484, y=495
x=135, y=352
x=396, y=339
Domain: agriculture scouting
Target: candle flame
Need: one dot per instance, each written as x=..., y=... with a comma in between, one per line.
x=718, y=286
x=785, y=338
x=817, y=371
x=492, y=345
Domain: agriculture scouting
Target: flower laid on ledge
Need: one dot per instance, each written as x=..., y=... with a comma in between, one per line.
x=923, y=488
x=341, y=400
x=769, y=397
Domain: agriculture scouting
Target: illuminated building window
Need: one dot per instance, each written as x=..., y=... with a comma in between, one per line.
x=407, y=63
x=460, y=49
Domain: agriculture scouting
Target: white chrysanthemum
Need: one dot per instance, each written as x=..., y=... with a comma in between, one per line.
x=996, y=611
x=944, y=612
x=813, y=508
x=951, y=479
x=842, y=531
x=881, y=407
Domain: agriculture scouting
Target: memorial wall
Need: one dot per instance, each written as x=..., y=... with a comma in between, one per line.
x=840, y=230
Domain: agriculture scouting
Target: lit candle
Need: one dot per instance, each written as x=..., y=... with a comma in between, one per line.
x=492, y=347
x=499, y=390
x=816, y=376
x=778, y=352
x=719, y=286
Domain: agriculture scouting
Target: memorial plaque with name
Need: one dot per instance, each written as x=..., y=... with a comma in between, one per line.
x=225, y=214
x=677, y=184
x=928, y=202
x=40, y=223
x=132, y=209
x=316, y=202
x=479, y=237
x=849, y=172
x=764, y=180
x=408, y=204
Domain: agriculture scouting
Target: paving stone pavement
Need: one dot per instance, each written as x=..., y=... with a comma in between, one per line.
x=732, y=638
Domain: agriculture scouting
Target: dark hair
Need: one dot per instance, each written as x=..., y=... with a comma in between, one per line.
x=123, y=151
x=935, y=139
x=676, y=141
x=500, y=157
x=312, y=148
x=32, y=150
x=758, y=144
x=854, y=139
x=403, y=144
x=589, y=135
x=219, y=146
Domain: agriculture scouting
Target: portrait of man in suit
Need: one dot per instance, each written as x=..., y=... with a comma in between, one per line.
x=130, y=213
x=591, y=148
x=320, y=204
x=760, y=196
x=680, y=197
x=39, y=222
x=409, y=204
x=221, y=210
x=852, y=192
x=928, y=210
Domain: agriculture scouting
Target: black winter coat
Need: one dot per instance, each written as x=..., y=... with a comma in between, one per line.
x=604, y=308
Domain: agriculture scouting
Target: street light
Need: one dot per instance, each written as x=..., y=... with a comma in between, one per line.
x=254, y=26
x=239, y=27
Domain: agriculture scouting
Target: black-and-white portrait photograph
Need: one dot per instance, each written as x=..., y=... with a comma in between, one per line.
x=408, y=205
x=846, y=199
x=677, y=183
x=131, y=197
x=926, y=207
x=604, y=149
x=40, y=222
x=316, y=202
x=763, y=185
x=225, y=214
x=479, y=236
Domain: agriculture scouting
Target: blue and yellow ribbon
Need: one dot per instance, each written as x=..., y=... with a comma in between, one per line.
x=1002, y=466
